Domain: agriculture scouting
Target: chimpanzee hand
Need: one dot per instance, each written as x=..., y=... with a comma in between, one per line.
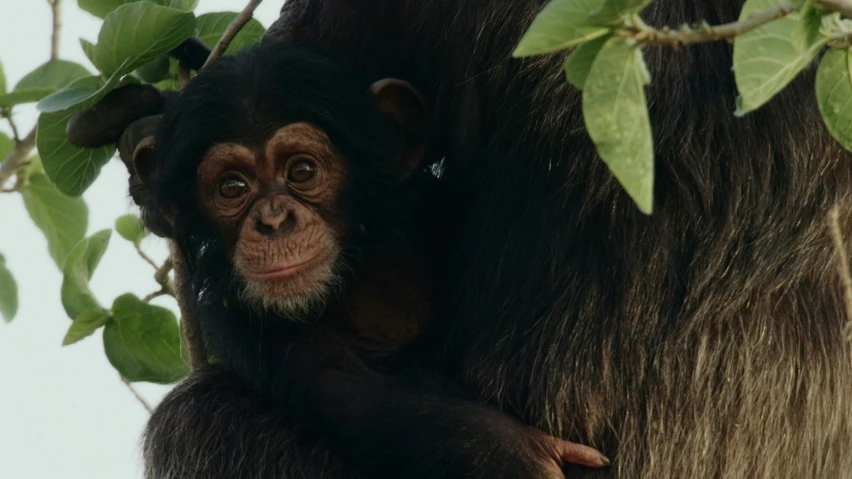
x=105, y=122
x=521, y=451
x=421, y=428
x=127, y=116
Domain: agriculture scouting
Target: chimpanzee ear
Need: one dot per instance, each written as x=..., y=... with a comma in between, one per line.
x=158, y=221
x=402, y=104
x=144, y=162
x=137, y=149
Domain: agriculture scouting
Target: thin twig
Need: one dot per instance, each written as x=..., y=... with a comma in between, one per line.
x=842, y=264
x=24, y=146
x=56, y=10
x=686, y=35
x=161, y=276
x=18, y=157
x=136, y=394
x=843, y=7
x=232, y=31
x=191, y=329
x=147, y=258
x=8, y=115
x=156, y=294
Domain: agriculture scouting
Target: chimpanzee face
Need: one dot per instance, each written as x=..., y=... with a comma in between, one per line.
x=279, y=210
x=296, y=156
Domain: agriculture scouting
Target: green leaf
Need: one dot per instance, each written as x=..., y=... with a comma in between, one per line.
x=8, y=292
x=185, y=5
x=614, y=11
x=143, y=342
x=6, y=146
x=33, y=167
x=2, y=80
x=85, y=325
x=21, y=97
x=102, y=8
x=834, y=94
x=154, y=71
x=77, y=298
x=53, y=75
x=560, y=25
x=44, y=80
x=137, y=33
x=72, y=169
x=211, y=26
x=616, y=116
x=580, y=61
x=81, y=94
x=130, y=228
x=63, y=220
x=90, y=49
x=768, y=58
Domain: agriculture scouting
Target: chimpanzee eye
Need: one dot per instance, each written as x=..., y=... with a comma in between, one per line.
x=232, y=188
x=301, y=171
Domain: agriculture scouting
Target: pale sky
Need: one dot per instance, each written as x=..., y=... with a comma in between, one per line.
x=64, y=412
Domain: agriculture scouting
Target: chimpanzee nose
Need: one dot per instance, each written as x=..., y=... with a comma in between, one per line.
x=274, y=216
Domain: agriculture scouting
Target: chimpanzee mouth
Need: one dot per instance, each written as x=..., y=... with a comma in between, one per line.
x=287, y=271
x=301, y=297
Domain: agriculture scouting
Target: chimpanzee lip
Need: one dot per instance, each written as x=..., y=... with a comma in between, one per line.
x=284, y=272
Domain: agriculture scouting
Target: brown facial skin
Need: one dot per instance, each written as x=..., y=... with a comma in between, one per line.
x=276, y=208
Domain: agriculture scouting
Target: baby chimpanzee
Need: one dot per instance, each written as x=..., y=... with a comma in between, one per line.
x=293, y=187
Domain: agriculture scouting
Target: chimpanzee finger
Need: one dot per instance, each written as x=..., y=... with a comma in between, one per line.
x=104, y=122
x=579, y=454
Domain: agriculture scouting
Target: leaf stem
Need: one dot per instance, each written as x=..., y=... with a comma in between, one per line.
x=703, y=32
x=232, y=31
x=136, y=394
x=144, y=256
x=161, y=276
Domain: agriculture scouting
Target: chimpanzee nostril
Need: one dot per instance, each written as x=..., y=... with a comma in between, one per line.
x=274, y=217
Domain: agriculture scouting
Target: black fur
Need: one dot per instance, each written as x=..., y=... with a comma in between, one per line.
x=296, y=393
x=702, y=341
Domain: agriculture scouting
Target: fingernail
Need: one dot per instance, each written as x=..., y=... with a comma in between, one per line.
x=604, y=460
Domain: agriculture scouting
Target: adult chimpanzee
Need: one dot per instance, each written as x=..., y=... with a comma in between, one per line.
x=701, y=341
x=302, y=181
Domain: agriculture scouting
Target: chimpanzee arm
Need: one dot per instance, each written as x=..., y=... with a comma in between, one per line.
x=390, y=425
x=213, y=425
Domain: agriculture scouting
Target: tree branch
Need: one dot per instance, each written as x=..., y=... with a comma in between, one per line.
x=15, y=134
x=232, y=31
x=18, y=157
x=843, y=7
x=23, y=147
x=56, y=9
x=191, y=329
x=704, y=32
x=136, y=394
